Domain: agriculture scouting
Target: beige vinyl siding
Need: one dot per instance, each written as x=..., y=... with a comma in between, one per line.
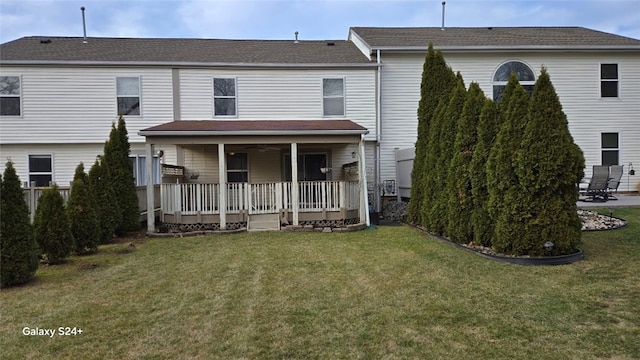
x=575, y=76
x=78, y=105
x=279, y=94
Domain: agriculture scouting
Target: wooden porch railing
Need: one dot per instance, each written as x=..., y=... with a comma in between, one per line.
x=262, y=198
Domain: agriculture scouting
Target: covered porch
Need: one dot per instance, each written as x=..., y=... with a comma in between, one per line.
x=259, y=175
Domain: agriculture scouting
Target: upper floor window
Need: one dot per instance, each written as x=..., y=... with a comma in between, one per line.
x=128, y=89
x=523, y=72
x=609, y=80
x=333, y=97
x=237, y=168
x=40, y=170
x=10, y=96
x=224, y=97
x=610, y=148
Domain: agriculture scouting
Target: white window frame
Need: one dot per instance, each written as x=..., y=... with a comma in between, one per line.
x=616, y=80
x=344, y=96
x=19, y=96
x=603, y=149
x=125, y=96
x=234, y=97
x=50, y=173
x=504, y=83
x=139, y=174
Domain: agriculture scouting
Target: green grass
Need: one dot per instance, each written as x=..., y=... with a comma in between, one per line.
x=389, y=293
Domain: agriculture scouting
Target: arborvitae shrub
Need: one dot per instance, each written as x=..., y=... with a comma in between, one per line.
x=549, y=167
x=483, y=225
x=430, y=179
x=82, y=215
x=437, y=82
x=52, y=228
x=119, y=175
x=438, y=210
x=500, y=168
x=19, y=251
x=460, y=206
x=105, y=200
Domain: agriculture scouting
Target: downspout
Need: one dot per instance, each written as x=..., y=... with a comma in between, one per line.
x=378, y=177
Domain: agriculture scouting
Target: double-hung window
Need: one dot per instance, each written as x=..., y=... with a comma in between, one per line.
x=609, y=80
x=128, y=94
x=333, y=97
x=224, y=97
x=237, y=168
x=610, y=148
x=10, y=93
x=40, y=170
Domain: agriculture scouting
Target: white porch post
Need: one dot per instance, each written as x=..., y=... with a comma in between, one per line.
x=362, y=178
x=151, y=209
x=295, y=196
x=222, y=167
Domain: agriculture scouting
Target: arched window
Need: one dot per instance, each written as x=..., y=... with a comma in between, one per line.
x=523, y=72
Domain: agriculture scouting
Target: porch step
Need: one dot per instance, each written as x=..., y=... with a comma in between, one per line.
x=263, y=222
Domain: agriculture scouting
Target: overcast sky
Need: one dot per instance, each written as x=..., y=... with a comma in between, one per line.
x=314, y=19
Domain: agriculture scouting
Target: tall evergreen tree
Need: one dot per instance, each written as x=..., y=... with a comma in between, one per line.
x=460, y=201
x=500, y=167
x=19, y=251
x=504, y=203
x=430, y=178
x=105, y=200
x=438, y=211
x=119, y=173
x=483, y=226
x=52, y=228
x=437, y=82
x=549, y=165
x=82, y=214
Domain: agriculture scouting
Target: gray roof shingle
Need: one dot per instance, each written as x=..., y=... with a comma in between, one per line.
x=493, y=37
x=196, y=51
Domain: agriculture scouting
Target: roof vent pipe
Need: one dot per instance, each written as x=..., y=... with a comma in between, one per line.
x=296, y=33
x=443, y=4
x=84, y=27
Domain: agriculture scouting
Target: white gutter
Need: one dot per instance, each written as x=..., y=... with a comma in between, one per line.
x=378, y=130
x=248, y=132
x=186, y=64
x=510, y=48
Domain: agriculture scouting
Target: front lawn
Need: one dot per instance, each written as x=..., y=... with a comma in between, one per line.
x=386, y=293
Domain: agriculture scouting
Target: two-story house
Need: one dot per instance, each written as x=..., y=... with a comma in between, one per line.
x=260, y=133
x=596, y=76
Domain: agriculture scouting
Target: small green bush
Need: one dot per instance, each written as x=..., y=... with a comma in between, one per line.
x=82, y=215
x=52, y=228
x=105, y=200
x=19, y=251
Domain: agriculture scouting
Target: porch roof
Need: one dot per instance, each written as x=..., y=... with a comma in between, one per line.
x=254, y=127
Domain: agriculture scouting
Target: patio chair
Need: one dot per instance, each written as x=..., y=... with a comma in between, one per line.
x=597, y=189
x=615, y=174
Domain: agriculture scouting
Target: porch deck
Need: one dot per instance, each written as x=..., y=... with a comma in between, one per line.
x=196, y=206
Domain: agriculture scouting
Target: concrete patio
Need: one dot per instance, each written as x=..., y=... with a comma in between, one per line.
x=623, y=200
